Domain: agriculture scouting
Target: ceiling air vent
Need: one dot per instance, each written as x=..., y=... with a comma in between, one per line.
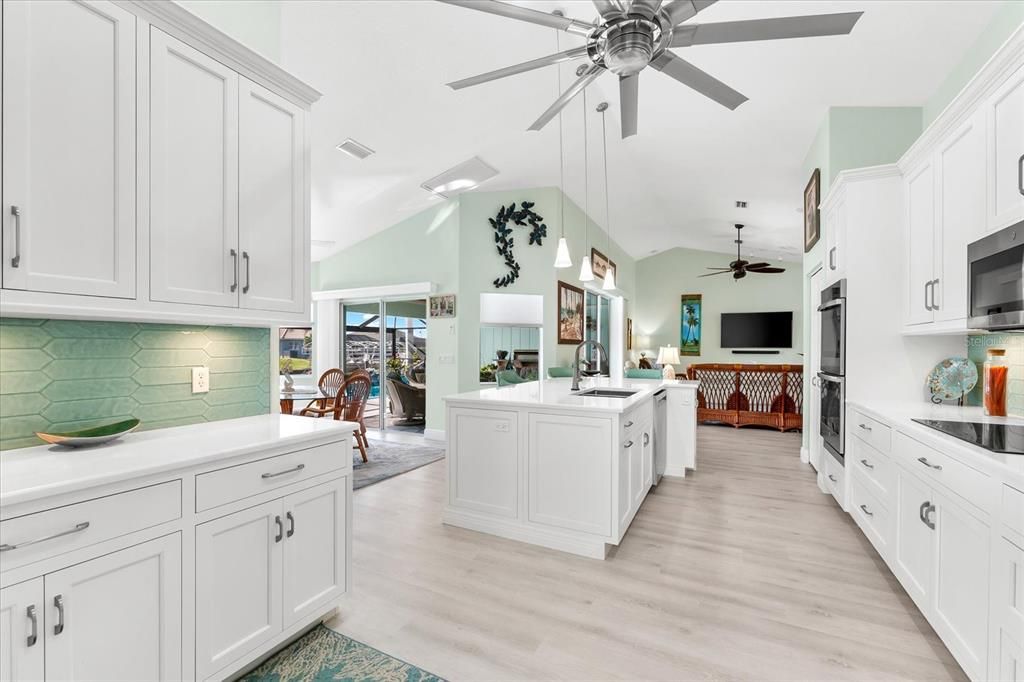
x=465, y=176
x=354, y=149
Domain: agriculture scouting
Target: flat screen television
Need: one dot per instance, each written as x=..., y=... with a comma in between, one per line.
x=757, y=330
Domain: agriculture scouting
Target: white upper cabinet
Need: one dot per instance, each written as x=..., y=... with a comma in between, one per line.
x=920, y=243
x=834, y=226
x=1005, y=121
x=271, y=200
x=960, y=215
x=69, y=148
x=193, y=176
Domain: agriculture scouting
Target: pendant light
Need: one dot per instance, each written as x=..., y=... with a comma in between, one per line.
x=562, y=258
x=586, y=273
x=609, y=275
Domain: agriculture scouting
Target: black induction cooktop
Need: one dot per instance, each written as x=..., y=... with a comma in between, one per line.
x=1003, y=438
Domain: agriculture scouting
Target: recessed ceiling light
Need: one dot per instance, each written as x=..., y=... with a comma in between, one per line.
x=741, y=204
x=458, y=179
x=354, y=149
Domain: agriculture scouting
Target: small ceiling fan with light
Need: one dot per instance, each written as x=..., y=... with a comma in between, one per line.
x=631, y=35
x=739, y=267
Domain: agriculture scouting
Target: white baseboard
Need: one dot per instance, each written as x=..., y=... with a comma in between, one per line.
x=512, y=529
x=434, y=434
x=805, y=455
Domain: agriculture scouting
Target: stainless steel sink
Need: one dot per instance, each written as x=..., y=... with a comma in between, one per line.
x=606, y=393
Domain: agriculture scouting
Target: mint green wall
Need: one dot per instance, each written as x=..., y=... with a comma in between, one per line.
x=60, y=375
x=254, y=23
x=661, y=279
x=423, y=248
x=1007, y=19
x=978, y=345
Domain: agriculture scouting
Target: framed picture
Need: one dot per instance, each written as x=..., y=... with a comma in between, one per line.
x=689, y=324
x=629, y=333
x=599, y=263
x=812, y=217
x=570, y=314
x=442, y=305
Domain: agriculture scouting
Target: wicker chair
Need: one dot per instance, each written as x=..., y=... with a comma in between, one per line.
x=750, y=395
x=351, y=403
x=330, y=383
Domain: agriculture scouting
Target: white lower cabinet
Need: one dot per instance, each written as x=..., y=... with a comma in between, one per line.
x=1007, y=655
x=262, y=569
x=116, y=617
x=912, y=549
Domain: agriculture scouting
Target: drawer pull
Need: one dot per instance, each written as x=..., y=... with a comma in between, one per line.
x=58, y=601
x=865, y=427
x=77, y=529
x=868, y=464
x=297, y=467
x=30, y=612
x=16, y=214
x=833, y=478
x=628, y=424
x=280, y=529
x=864, y=509
x=628, y=444
x=924, y=461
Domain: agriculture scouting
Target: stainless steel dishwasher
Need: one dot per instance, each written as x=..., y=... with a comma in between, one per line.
x=660, y=434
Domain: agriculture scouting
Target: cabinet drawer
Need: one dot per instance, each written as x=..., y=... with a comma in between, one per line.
x=34, y=537
x=835, y=476
x=872, y=464
x=937, y=467
x=871, y=431
x=870, y=513
x=252, y=478
x=634, y=420
x=1012, y=509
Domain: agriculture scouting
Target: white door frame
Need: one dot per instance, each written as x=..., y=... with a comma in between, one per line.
x=812, y=362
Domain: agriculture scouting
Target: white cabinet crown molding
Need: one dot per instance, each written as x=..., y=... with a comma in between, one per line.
x=845, y=177
x=187, y=26
x=1005, y=61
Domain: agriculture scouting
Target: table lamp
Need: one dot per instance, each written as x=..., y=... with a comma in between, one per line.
x=668, y=356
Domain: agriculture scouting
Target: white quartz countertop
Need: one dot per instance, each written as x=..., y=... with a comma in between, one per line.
x=902, y=414
x=32, y=473
x=556, y=394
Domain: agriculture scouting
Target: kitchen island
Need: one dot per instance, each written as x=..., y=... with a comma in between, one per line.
x=539, y=463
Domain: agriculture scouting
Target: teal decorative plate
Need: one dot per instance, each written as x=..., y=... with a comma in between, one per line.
x=91, y=436
x=952, y=379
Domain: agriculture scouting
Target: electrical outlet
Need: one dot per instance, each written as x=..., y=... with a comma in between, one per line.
x=200, y=379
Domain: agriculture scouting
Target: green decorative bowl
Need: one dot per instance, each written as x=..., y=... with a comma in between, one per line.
x=91, y=436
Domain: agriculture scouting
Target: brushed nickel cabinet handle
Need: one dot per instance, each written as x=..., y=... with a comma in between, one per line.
x=58, y=601
x=924, y=461
x=280, y=529
x=628, y=444
x=935, y=306
x=647, y=438
x=297, y=467
x=16, y=214
x=868, y=464
x=927, y=286
x=1020, y=174
x=291, y=525
x=865, y=427
x=628, y=424
x=77, y=529
x=832, y=258
x=833, y=478
x=865, y=510
x=33, y=636
x=234, y=261
x=926, y=508
x=245, y=257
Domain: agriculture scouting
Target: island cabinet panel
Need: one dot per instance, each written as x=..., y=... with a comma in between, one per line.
x=570, y=472
x=21, y=631
x=483, y=461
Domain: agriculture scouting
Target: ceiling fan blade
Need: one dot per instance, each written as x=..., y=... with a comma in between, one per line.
x=755, y=266
x=525, y=14
x=712, y=274
x=628, y=102
x=769, y=271
x=609, y=8
x=576, y=88
x=765, y=29
x=558, y=58
x=706, y=84
x=648, y=8
x=710, y=268
x=681, y=10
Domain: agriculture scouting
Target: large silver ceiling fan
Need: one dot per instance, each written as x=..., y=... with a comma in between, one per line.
x=634, y=34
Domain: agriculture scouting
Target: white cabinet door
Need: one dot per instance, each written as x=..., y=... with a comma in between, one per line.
x=636, y=469
x=960, y=598
x=835, y=233
x=1007, y=655
x=314, y=548
x=647, y=441
x=238, y=584
x=960, y=216
x=1005, y=113
x=569, y=469
x=117, y=617
x=193, y=209
x=483, y=461
x=21, y=631
x=69, y=148
x=912, y=550
x=624, y=496
x=271, y=215
x=920, y=193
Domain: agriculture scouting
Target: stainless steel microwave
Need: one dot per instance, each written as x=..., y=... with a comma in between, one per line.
x=995, y=280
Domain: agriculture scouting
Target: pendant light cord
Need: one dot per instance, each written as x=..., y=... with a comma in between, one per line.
x=561, y=149
x=586, y=181
x=607, y=214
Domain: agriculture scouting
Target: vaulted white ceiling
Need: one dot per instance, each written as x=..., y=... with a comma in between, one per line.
x=382, y=66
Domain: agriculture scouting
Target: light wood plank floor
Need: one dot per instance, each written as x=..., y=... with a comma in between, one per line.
x=742, y=571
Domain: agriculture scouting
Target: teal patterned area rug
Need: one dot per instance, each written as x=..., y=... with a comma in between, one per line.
x=324, y=654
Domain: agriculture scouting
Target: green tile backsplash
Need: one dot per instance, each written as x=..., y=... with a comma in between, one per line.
x=59, y=375
x=978, y=344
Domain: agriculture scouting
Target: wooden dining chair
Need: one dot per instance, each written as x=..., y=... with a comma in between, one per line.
x=351, y=403
x=330, y=383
